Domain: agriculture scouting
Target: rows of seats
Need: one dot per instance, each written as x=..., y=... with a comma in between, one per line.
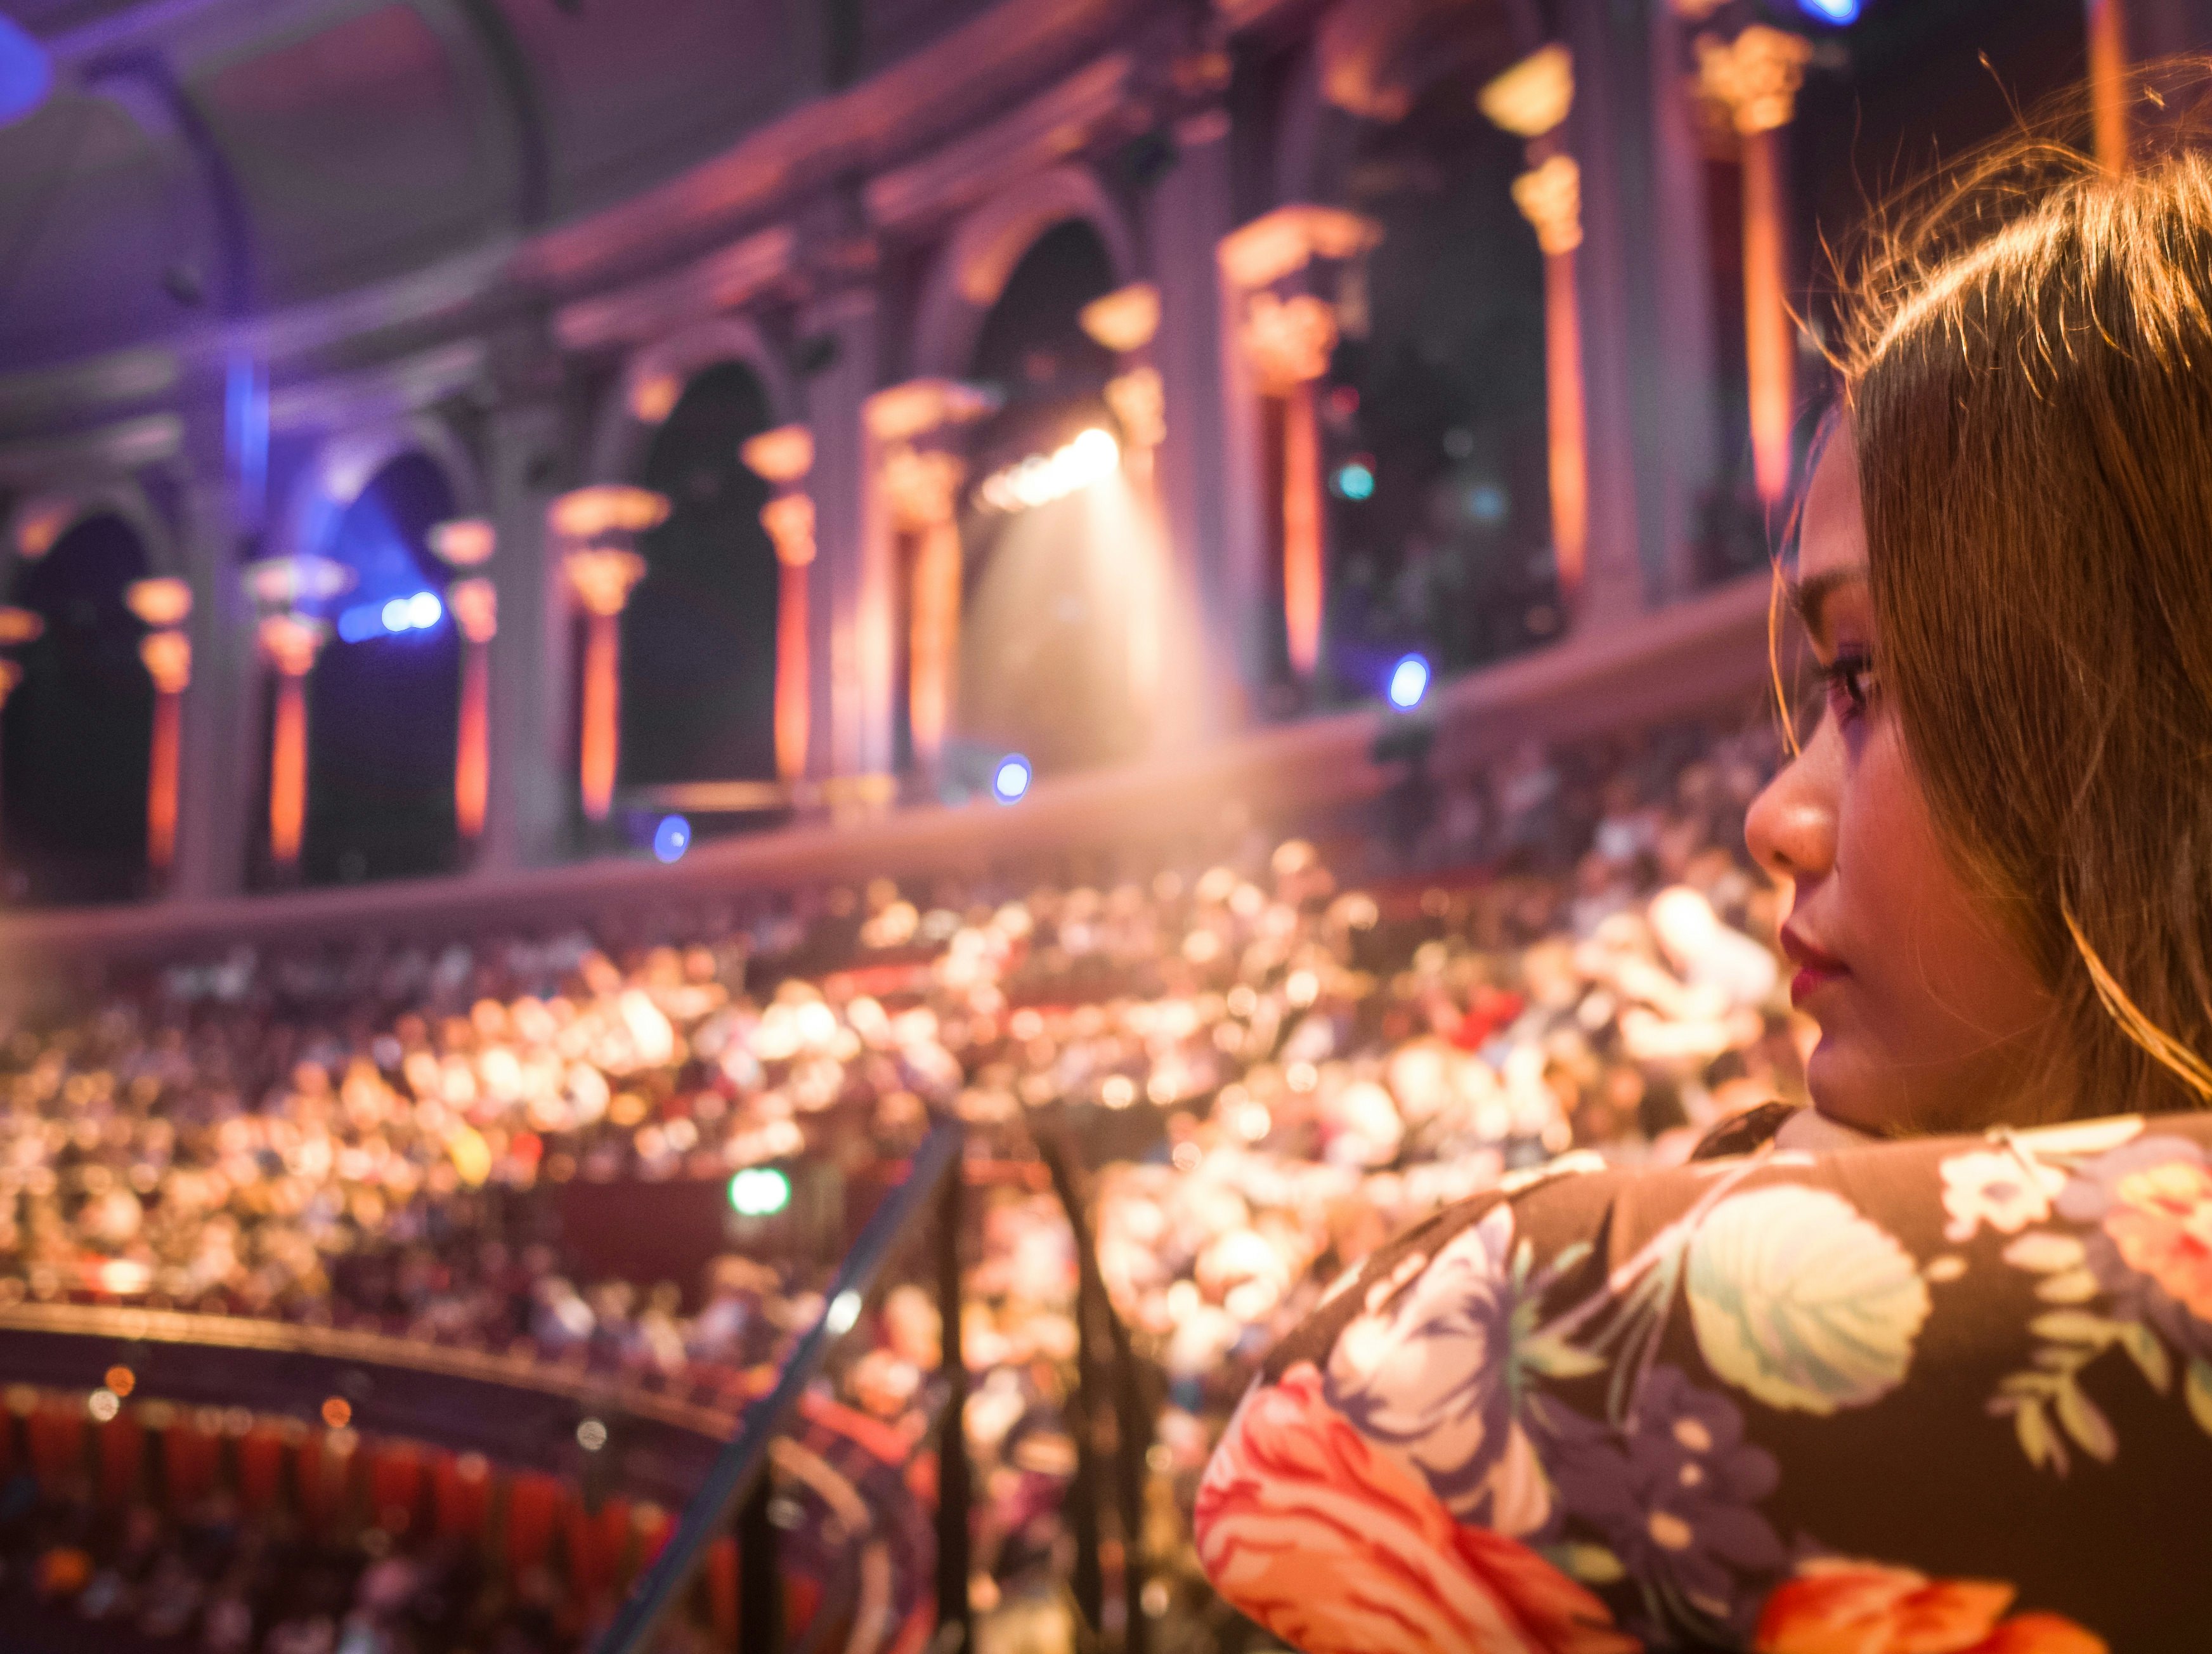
x=1266, y=1058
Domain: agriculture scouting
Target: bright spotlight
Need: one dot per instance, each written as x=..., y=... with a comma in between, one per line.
x=395, y=615
x=759, y=1192
x=844, y=1310
x=27, y=72
x=1091, y=457
x=1839, y=12
x=1409, y=682
x=424, y=610
x=672, y=838
x=1010, y=779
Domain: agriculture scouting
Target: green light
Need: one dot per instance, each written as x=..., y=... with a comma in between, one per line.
x=759, y=1192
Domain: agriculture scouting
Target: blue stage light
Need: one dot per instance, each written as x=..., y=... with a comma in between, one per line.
x=1356, y=481
x=1010, y=779
x=394, y=616
x=1839, y=12
x=424, y=610
x=27, y=72
x=672, y=838
x=1409, y=682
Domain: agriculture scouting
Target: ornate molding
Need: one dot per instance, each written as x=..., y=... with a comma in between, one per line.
x=107, y=451
x=1124, y=319
x=647, y=309
x=1288, y=341
x=921, y=406
x=1285, y=241
x=1043, y=132
x=1549, y=197
x=1755, y=76
x=1534, y=96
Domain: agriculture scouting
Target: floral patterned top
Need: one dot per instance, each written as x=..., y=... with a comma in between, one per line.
x=1946, y=1396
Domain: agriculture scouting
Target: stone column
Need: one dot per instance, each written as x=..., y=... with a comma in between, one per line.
x=1126, y=323
x=914, y=426
x=598, y=526
x=290, y=643
x=1281, y=268
x=475, y=604
x=849, y=653
x=163, y=604
x=219, y=733
x=466, y=543
x=1755, y=77
x=1209, y=477
x=1678, y=412
x=527, y=752
x=1531, y=100
x=783, y=457
x=2107, y=29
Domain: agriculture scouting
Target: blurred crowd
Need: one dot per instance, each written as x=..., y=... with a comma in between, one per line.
x=1267, y=1060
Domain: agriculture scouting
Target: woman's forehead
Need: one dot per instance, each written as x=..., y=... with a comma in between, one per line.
x=1832, y=537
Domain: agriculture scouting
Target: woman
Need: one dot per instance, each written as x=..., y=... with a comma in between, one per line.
x=1935, y=1394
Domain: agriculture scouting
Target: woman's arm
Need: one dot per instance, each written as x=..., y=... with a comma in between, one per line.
x=1949, y=1395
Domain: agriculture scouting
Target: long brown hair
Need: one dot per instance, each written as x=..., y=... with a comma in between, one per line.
x=2028, y=370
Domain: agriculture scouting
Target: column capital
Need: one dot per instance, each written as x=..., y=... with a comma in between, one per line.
x=1288, y=341
x=923, y=487
x=782, y=456
x=602, y=578
x=290, y=643
x=1533, y=96
x=1285, y=241
x=789, y=519
x=168, y=660
x=921, y=406
x=606, y=512
x=1139, y=402
x=475, y=605
x=465, y=543
x=1755, y=76
x=160, y=602
x=1124, y=320
x=1549, y=197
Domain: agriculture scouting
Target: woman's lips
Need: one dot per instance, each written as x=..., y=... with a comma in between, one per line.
x=1816, y=966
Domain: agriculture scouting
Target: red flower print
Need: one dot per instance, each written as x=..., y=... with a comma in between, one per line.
x=1338, y=1548
x=2161, y=1220
x=1865, y=1607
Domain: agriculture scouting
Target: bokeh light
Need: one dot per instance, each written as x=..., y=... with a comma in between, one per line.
x=1409, y=682
x=672, y=838
x=1010, y=779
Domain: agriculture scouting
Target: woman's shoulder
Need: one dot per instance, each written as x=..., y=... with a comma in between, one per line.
x=1676, y=1407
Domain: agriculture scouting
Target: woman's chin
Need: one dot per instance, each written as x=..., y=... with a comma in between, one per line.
x=1849, y=1088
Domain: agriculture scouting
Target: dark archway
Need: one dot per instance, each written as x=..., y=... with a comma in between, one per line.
x=1434, y=431
x=78, y=731
x=1044, y=638
x=383, y=705
x=698, y=699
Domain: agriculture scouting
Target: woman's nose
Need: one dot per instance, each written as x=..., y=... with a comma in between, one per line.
x=1791, y=826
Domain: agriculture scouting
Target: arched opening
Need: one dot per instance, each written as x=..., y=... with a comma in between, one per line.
x=383, y=702
x=698, y=652
x=1044, y=635
x=77, y=732
x=1433, y=419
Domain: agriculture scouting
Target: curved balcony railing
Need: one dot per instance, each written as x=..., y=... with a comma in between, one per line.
x=806, y=1480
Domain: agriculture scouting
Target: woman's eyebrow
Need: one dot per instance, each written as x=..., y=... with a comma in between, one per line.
x=1810, y=597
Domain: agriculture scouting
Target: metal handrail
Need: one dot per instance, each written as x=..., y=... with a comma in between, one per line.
x=738, y=1472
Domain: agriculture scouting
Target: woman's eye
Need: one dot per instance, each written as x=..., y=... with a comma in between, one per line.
x=1851, y=685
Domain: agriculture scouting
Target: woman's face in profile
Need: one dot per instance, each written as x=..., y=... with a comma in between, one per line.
x=1927, y=1005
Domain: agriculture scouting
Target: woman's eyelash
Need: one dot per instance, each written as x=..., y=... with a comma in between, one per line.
x=1848, y=678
